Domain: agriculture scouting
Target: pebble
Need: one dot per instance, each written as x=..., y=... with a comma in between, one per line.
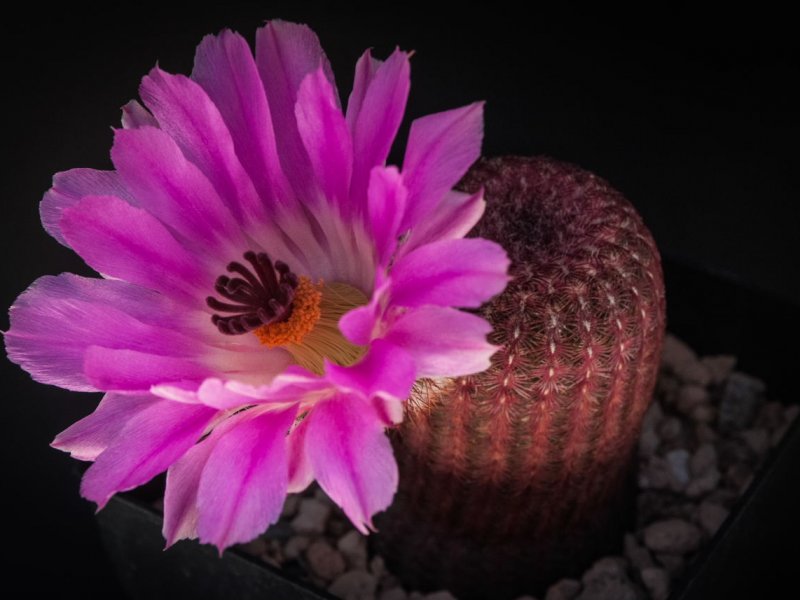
x=607, y=579
x=678, y=461
x=741, y=400
x=565, y=589
x=656, y=581
x=703, y=460
x=757, y=440
x=739, y=476
x=325, y=561
x=704, y=413
x=637, y=555
x=719, y=367
x=771, y=416
x=711, y=516
x=703, y=484
x=441, y=595
x=353, y=547
x=312, y=516
x=255, y=547
x=670, y=429
x=675, y=352
x=395, y=593
x=610, y=567
x=648, y=443
x=691, y=396
x=377, y=567
x=673, y=563
x=673, y=536
x=295, y=546
x=355, y=585
x=290, y=506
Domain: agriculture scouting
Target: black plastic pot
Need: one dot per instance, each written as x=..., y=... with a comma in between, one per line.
x=752, y=556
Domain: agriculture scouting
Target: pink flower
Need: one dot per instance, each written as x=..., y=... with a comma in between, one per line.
x=271, y=289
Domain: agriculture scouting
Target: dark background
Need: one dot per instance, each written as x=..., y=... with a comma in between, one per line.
x=692, y=116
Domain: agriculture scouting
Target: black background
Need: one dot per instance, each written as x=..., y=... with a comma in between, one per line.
x=693, y=117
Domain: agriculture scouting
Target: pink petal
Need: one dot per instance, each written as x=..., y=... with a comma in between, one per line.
x=92, y=435
x=57, y=318
x=386, y=205
x=188, y=115
x=378, y=118
x=444, y=342
x=135, y=115
x=285, y=54
x=361, y=325
x=150, y=442
x=123, y=241
x=386, y=370
x=440, y=149
x=69, y=187
x=225, y=67
x=352, y=457
x=452, y=218
x=325, y=136
x=129, y=370
x=171, y=188
x=460, y=272
x=366, y=67
x=244, y=481
x=301, y=474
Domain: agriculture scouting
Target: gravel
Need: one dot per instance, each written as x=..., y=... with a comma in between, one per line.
x=704, y=437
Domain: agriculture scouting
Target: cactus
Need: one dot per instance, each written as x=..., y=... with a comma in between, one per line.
x=519, y=475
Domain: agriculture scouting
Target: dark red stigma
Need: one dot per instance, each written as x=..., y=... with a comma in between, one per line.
x=262, y=295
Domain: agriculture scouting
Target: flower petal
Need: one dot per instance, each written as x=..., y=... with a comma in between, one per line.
x=366, y=67
x=325, y=136
x=285, y=54
x=173, y=189
x=69, y=187
x=243, y=484
x=361, y=325
x=377, y=119
x=123, y=241
x=135, y=115
x=386, y=370
x=301, y=473
x=441, y=147
x=452, y=219
x=460, y=272
x=225, y=67
x=386, y=205
x=57, y=318
x=92, y=435
x=444, y=342
x=352, y=457
x=129, y=370
x=150, y=442
x=188, y=115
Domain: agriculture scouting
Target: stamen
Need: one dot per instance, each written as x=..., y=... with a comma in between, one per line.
x=258, y=298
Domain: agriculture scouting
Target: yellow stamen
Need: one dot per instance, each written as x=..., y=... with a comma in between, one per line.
x=311, y=334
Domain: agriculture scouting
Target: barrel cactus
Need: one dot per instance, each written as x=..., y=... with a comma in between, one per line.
x=521, y=474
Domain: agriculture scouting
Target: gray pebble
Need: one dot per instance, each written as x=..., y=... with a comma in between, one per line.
x=675, y=352
x=673, y=563
x=325, y=561
x=657, y=474
x=739, y=476
x=312, y=515
x=607, y=579
x=719, y=367
x=354, y=585
x=637, y=555
x=703, y=484
x=648, y=443
x=609, y=567
x=565, y=589
x=441, y=595
x=377, y=567
x=670, y=429
x=652, y=417
x=657, y=582
x=757, y=440
x=741, y=400
x=255, y=547
x=673, y=536
x=691, y=396
x=703, y=460
x=290, y=506
x=704, y=433
x=711, y=516
x=295, y=546
x=395, y=593
x=704, y=413
x=353, y=547
x=678, y=461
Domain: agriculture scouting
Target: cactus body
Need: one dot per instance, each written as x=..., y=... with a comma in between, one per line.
x=516, y=476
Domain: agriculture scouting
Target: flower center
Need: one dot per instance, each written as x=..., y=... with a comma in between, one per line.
x=288, y=311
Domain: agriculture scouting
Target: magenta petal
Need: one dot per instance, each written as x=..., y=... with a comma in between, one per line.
x=134, y=115
x=378, y=119
x=460, y=272
x=452, y=219
x=352, y=457
x=362, y=324
x=366, y=67
x=123, y=241
x=225, y=67
x=441, y=147
x=386, y=370
x=285, y=54
x=301, y=474
x=244, y=481
x=69, y=187
x=386, y=201
x=188, y=115
x=57, y=318
x=171, y=188
x=92, y=435
x=152, y=440
x=325, y=136
x=129, y=370
x=444, y=342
